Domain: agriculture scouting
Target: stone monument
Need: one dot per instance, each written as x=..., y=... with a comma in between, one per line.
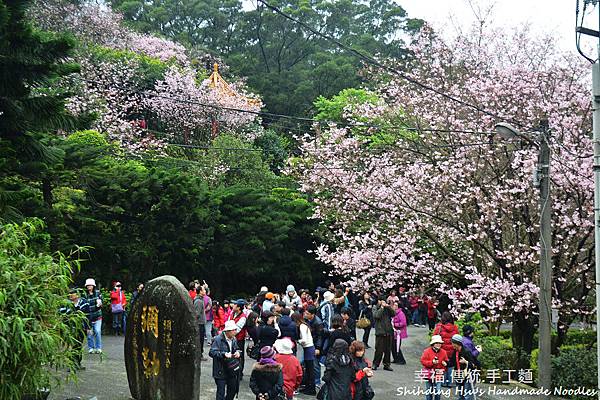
x=162, y=343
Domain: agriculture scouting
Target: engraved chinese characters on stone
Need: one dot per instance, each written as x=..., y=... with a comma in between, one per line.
x=162, y=343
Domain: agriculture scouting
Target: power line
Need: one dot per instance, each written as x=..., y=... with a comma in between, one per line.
x=395, y=71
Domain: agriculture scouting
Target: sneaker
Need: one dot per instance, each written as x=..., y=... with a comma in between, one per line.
x=98, y=351
x=91, y=351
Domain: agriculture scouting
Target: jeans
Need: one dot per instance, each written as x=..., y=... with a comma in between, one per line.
x=318, y=369
x=208, y=331
x=228, y=386
x=465, y=390
x=415, y=317
x=433, y=390
x=117, y=323
x=448, y=377
x=201, y=332
x=94, y=338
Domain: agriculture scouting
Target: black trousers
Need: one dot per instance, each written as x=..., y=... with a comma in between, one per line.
x=201, y=329
x=397, y=355
x=309, y=375
x=226, y=388
x=366, y=333
x=383, y=349
x=241, y=347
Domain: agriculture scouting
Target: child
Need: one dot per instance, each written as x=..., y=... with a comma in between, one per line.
x=361, y=389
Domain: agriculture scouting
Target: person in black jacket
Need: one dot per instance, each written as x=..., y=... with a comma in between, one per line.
x=287, y=327
x=224, y=352
x=349, y=322
x=339, y=373
x=339, y=332
x=266, y=380
x=365, y=309
x=462, y=361
x=267, y=334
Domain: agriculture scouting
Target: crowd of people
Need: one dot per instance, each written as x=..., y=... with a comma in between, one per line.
x=306, y=342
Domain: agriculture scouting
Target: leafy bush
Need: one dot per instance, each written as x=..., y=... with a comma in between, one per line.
x=34, y=335
x=575, y=366
x=584, y=337
x=497, y=353
x=476, y=322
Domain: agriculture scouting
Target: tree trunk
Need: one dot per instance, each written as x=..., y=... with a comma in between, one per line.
x=47, y=192
x=522, y=338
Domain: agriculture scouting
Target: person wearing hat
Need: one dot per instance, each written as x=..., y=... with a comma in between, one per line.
x=434, y=360
x=239, y=318
x=291, y=298
x=266, y=380
x=117, y=308
x=291, y=368
x=267, y=305
x=462, y=361
x=224, y=352
x=468, y=333
x=94, y=299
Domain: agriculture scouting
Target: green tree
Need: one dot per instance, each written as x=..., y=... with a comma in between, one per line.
x=30, y=63
x=33, y=333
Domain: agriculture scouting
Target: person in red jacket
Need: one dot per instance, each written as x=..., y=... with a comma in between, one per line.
x=219, y=317
x=446, y=329
x=434, y=361
x=292, y=370
x=431, y=312
x=117, y=307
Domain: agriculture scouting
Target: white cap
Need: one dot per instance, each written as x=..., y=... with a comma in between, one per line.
x=283, y=346
x=436, y=339
x=230, y=326
x=90, y=282
x=328, y=296
x=264, y=289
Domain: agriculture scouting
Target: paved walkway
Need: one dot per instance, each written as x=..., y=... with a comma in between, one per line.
x=106, y=379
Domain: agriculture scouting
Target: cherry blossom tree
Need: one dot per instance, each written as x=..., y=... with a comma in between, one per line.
x=451, y=207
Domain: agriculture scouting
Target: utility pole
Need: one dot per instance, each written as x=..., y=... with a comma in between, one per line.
x=545, y=307
x=596, y=144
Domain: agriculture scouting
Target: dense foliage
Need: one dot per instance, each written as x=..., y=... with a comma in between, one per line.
x=34, y=335
x=286, y=64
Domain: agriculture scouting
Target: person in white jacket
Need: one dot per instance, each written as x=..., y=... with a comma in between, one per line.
x=306, y=341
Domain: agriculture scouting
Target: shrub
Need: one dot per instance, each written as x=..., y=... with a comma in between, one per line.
x=575, y=366
x=584, y=337
x=476, y=322
x=34, y=335
x=497, y=353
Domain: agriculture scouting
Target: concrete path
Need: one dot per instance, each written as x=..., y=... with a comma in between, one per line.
x=105, y=378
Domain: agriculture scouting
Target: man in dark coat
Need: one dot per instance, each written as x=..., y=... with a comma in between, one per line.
x=224, y=351
x=384, y=333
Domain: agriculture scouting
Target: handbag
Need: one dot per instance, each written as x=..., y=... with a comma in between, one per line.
x=363, y=322
x=116, y=308
x=322, y=395
x=253, y=351
x=233, y=365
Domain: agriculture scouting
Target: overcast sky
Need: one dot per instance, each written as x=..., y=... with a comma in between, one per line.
x=544, y=16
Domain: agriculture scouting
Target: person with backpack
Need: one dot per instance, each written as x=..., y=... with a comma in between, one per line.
x=339, y=372
x=226, y=366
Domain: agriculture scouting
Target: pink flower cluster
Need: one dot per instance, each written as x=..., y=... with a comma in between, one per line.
x=453, y=209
